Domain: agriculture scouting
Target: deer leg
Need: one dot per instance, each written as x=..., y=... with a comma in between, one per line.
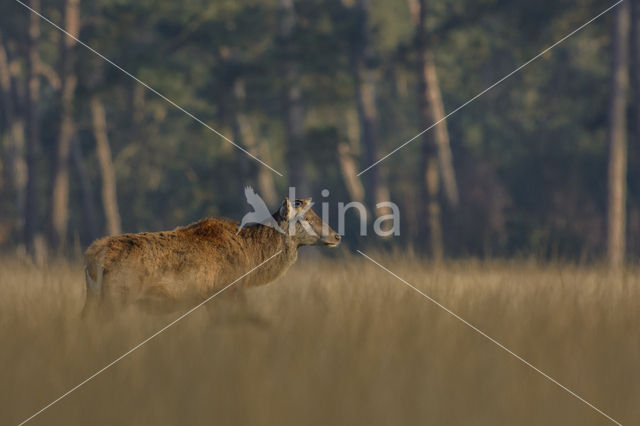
x=157, y=300
x=234, y=308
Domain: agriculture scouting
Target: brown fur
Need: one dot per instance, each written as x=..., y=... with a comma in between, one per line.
x=165, y=271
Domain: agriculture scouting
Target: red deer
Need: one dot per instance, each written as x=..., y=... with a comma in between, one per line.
x=171, y=270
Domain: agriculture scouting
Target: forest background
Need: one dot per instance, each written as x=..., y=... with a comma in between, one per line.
x=319, y=90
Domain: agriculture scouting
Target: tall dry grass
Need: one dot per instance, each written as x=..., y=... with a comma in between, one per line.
x=342, y=342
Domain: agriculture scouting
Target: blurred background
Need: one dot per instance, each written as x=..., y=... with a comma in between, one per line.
x=319, y=90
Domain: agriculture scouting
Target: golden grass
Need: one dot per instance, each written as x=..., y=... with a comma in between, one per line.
x=344, y=343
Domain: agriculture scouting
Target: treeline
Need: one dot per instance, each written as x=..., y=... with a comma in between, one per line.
x=319, y=91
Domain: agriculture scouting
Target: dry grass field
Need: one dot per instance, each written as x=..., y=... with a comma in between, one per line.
x=341, y=343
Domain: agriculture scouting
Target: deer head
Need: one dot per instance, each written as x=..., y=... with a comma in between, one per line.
x=304, y=226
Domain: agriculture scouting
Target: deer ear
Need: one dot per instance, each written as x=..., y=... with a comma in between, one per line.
x=286, y=209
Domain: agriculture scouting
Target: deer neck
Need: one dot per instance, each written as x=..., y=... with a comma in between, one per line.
x=274, y=251
x=265, y=241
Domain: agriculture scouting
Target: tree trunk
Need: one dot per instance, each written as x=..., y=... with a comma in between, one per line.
x=616, y=206
x=367, y=113
x=255, y=145
x=60, y=191
x=349, y=171
x=292, y=101
x=432, y=211
x=431, y=177
x=635, y=68
x=32, y=126
x=436, y=106
x=365, y=75
x=441, y=133
x=88, y=203
x=109, y=193
x=14, y=143
x=348, y=152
